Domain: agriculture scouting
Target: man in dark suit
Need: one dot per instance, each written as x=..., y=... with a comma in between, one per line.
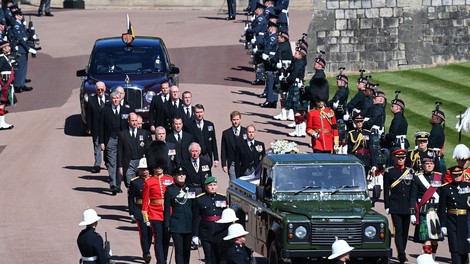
x=186, y=111
x=181, y=139
x=175, y=105
x=204, y=131
x=124, y=102
x=95, y=105
x=249, y=153
x=132, y=144
x=158, y=114
x=197, y=167
x=160, y=135
x=113, y=119
x=231, y=137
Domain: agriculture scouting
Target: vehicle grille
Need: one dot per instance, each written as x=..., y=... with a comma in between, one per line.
x=325, y=233
x=134, y=97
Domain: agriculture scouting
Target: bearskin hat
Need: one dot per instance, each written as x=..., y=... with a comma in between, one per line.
x=157, y=155
x=319, y=90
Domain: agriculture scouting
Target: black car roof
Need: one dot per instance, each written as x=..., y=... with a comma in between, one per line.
x=115, y=42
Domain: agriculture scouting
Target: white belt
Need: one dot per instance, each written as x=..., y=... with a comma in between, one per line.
x=261, y=34
x=285, y=11
x=400, y=136
x=90, y=258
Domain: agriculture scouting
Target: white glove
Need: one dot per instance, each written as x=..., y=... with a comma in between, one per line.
x=110, y=252
x=255, y=50
x=265, y=56
x=35, y=36
x=387, y=210
x=196, y=241
x=444, y=231
x=252, y=18
x=355, y=110
x=335, y=104
x=373, y=169
x=32, y=51
x=299, y=83
x=315, y=135
x=279, y=65
x=253, y=41
x=413, y=219
x=281, y=76
x=147, y=223
x=346, y=116
x=132, y=218
x=245, y=28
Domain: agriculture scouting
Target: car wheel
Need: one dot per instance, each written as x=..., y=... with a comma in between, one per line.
x=274, y=254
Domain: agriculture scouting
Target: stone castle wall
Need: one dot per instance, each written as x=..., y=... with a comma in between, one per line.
x=389, y=34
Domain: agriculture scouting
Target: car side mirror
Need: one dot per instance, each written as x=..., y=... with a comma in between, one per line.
x=260, y=193
x=81, y=73
x=174, y=69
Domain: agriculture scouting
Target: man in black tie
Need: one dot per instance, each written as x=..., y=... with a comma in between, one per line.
x=249, y=153
x=95, y=105
x=113, y=119
x=188, y=112
x=132, y=144
x=198, y=168
x=175, y=105
x=231, y=137
x=181, y=139
x=204, y=131
x=158, y=114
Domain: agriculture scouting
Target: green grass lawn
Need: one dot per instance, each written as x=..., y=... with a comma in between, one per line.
x=420, y=89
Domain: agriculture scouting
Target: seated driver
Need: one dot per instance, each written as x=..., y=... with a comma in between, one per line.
x=110, y=65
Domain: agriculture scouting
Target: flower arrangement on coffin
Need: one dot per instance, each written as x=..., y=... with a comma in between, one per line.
x=283, y=147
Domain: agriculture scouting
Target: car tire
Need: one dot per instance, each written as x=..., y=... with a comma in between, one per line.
x=274, y=256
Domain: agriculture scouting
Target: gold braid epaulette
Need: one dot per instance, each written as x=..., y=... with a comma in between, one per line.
x=324, y=115
x=357, y=142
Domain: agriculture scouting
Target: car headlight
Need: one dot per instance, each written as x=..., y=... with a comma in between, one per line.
x=85, y=97
x=370, y=232
x=300, y=232
x=149, y=96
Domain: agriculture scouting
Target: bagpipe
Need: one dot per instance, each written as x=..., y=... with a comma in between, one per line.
x=8, y=95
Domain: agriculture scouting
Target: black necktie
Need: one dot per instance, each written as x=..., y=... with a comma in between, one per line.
x=178, y=138
x=187, y=112
x=252, y=146
x=100, y=100
x=133, y=133
x=116, y=111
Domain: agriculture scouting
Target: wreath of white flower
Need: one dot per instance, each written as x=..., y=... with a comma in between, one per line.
x=284, y=147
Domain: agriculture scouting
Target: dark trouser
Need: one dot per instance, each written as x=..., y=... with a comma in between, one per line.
x=271, y=96
x=182, y=245
x=145, y=235
x=20, y=74
x=111, y=157
x=459, y=258
x=46, y=4
x=232, y=8
x=252, y=6
x=97, y=151
x=162, y=241
x=211, y=252
x=401, y=224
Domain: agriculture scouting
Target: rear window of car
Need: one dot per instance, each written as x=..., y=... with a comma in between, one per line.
x=134, y=60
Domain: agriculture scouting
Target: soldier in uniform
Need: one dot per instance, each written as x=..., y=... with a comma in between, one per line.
x=358, y=100
x=255, y=36
x=237, y=253
x=258, y=25
x=6, y=81
x=207, y=210
x=424, y=199
x=340, y=251
x=376, y=121
x=461, y=155
x=135, y=208
x=89, y=241
x=398, y=181
x=360, y=144
x=396, y=136
x=178, y=215
x=23, y=49
x=437, y=136
x=270, y=60
x=454, y=203
x=338, y=104
x=414, y=158
x=152, y=201
x=321, y=124
x=228, y=217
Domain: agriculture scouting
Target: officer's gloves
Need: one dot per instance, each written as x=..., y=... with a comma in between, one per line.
x=387, y=210
x=245, y=28
x=355, y=110
x=265, y=56
x=346, y=116
x=279, y=65
x=32, y=51
x=253, y=41
x=252, y=18
x=195, y=241
x=254, y=49
x=413, y=219
x=335, y=104
x=444, y=231
x=281, y=77
x=132, y=218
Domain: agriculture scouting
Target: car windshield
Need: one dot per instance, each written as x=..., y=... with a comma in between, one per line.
x=134, y=60
x=329, y=177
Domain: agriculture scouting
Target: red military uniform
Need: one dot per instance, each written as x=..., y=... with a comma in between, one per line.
x=153, y=197
x=322, y=123
x=465, y=178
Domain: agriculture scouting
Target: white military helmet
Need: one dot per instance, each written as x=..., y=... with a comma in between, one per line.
x=425, y=259
x=234, y=231
x=142, y=163
x=339, y=247
x=461, y=152
x=228, y=216
x=89, y=217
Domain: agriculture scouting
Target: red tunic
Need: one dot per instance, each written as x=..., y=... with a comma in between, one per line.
x=153, y=195
x=466, y=176
x=322, y=122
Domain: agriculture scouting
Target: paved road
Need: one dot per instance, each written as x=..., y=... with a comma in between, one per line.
x=45, y=163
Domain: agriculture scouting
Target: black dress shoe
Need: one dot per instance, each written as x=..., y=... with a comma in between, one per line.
x=258, y=82
x=18, y=90
x=39, y=13
x=230, y=18
x=27, y=80
x=49, y=14
x=263, y=95
x=114, y=190
x=268, y=104
x=26, y=88
x=147, y=258
x=119, y=190
x=96, y=169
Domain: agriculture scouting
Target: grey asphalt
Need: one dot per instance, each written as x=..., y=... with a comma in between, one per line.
x=45, y=163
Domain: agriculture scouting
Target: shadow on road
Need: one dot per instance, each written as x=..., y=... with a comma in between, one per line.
x=95, y=177
x=122, y=208
x=93, y=189
x=236, y=79
x=73, y=125
x=80, y=168
x=213, y=18
x=244, y=92
x=127, y=259
x=128, y=228
x=243, y=68
x=115, y=217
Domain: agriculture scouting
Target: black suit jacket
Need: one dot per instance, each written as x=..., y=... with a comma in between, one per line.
x=111, y=124
x=158, y=114
x=246, y=158
x=127, y=145
x=187, y=120
x=93, y=114
x=182, y=148
x=229, y=144
x=196, y=179
x=207, y=139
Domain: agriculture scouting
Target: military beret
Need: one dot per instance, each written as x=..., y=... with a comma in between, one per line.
x=272, y=24
x=17, y=12
x=399, y=153
x=342, y=77
x=259, y=5
x=179, y=171
x=210, y=179
x=423, y=136
x=3, y=44
x=302, y=51
x=439, y=113
x=398, y=102
x=321, y=61
x=455, y=171
x=284, y=33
